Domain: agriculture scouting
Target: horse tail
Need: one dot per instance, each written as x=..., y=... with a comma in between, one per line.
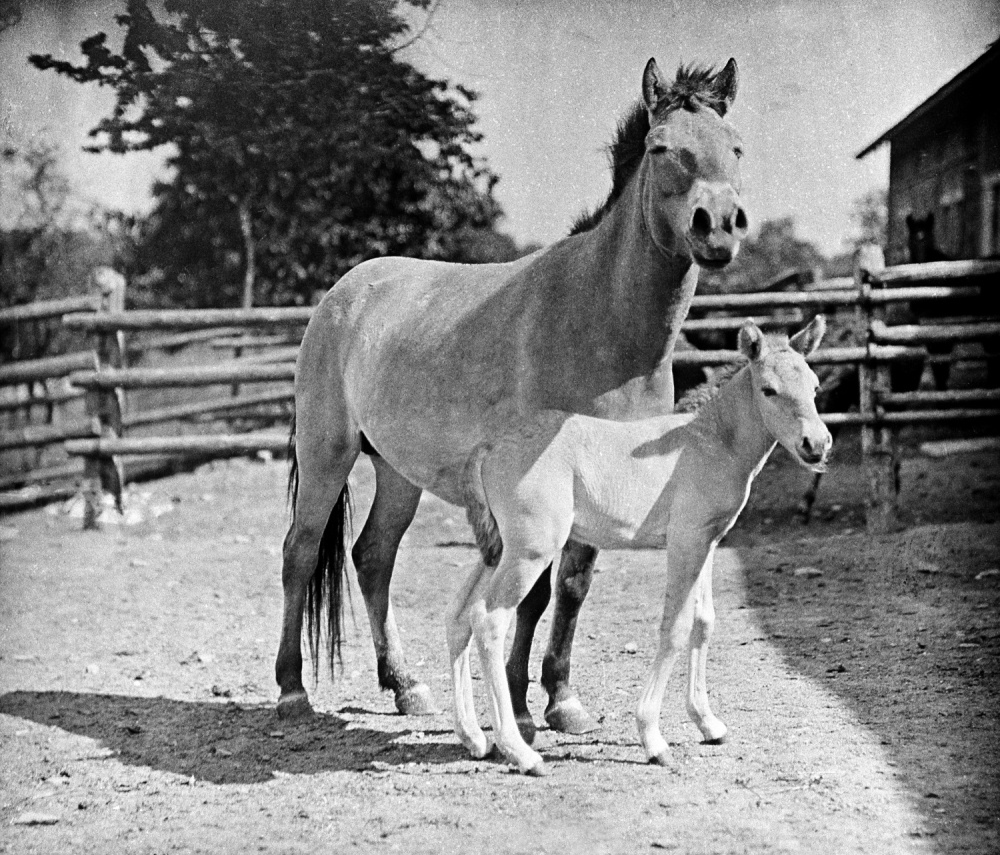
x=477, y=509
x=324, y=602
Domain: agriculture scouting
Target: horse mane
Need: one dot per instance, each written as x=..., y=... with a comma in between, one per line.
x=693, y=88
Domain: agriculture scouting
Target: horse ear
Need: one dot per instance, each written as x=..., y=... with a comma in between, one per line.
x=751, y=340
x=807, y=340
x=910, y=222
x=726, y=83
x=654, y=87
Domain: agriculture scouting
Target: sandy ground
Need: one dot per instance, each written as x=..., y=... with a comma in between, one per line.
x=859, y=677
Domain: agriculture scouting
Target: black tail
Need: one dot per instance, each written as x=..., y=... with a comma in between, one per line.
x=324, y=605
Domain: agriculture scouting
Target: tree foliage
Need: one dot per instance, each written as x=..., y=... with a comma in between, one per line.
x=300, y=144
x=49, y=242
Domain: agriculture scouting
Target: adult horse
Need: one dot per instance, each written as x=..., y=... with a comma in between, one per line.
x=419, y=362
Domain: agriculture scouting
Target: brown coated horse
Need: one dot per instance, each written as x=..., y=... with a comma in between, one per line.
x=419, y=362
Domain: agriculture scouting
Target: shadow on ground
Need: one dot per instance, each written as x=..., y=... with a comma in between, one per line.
x=903, y=628
x=224, y=743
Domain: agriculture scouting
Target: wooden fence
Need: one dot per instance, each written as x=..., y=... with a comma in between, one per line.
x=265, y=342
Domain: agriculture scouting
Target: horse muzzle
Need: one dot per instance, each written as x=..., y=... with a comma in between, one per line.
x=718, y=223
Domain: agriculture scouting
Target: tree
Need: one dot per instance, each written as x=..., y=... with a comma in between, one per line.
x=300, y=144
x=869, y=217
x=49, y=242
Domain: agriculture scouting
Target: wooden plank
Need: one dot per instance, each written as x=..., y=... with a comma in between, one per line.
x=209, y=375
x=178, y=340
x=188, y=319
x=47, y=368
x=38, y=435
x=936, y=270
x=55, y=397
x=728, y=324
x=43, y=309
x=946, y=396
x=910, y=333
x=948, y=447
x=763, y=300
x=215, y=405
x=42, y=473
x=211, y=444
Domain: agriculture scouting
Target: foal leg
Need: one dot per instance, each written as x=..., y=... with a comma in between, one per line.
x=564, y=712
x=323, y=469
x=459, y=625
x=374, y=554
x=528, y=614
x=683, y=568
x=491, y=617
x=712, y=729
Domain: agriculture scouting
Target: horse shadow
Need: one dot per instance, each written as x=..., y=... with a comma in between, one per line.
x=225, y=743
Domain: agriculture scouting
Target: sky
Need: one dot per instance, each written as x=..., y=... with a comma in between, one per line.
x=818, y=82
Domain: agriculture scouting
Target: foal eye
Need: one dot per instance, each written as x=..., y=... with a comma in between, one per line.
x=768, y=391
x=738, y=151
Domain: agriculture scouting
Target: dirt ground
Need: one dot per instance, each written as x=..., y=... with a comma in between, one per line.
x=859, y=677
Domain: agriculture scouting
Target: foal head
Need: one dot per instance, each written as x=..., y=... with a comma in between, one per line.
x=690, y=197
x=784, y=389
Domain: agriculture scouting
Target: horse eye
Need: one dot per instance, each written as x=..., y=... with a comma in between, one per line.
x=738, y=152
x=768, y=391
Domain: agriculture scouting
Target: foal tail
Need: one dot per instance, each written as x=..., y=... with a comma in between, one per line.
x=477, y=509
x=324, y=602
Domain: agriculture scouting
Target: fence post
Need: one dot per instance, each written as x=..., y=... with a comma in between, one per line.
x=104, y=474
x=878, y=446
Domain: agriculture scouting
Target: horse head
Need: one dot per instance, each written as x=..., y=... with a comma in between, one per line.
x=784, y=389
x=691, y=193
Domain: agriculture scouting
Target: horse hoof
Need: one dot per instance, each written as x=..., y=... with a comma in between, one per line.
x=526, y=727
x=570, y=717
x=539, y=770
x=294, y=706
x=417, y=700
x=662, y=759
x=717, y=740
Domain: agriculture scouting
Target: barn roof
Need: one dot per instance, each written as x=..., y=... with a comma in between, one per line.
x=987, y=60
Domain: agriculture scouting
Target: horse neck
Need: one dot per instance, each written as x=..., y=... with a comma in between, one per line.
x=637, y=286
x=733, y=420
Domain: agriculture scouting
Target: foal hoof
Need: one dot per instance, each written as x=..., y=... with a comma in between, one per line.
x=570, y=717
x=294, y=705
x=716, y=740
x=526, y=727
x=664, y=758
x=539, y=770
x=417, y=700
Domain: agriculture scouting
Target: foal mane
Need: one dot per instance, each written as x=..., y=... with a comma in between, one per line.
x=693, y=88
x=694, y=399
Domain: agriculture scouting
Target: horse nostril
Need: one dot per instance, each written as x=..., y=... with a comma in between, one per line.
x=740, y=220
x=701, y=222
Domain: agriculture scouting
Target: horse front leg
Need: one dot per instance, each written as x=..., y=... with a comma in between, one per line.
x=564, y=712
x=374, y=555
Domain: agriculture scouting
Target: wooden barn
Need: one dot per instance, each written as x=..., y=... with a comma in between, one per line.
x=944, y=161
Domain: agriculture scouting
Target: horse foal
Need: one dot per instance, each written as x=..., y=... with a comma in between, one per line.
x=676, y=482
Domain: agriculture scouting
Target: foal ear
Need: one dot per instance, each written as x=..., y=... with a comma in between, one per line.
x=751, y=341
x=654, y=87
x=807, y=340
x=726, y=83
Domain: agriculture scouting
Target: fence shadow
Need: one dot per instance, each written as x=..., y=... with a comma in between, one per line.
x=223, y=743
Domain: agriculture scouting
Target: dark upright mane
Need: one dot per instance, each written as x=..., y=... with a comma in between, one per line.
x=696, y=398
x=693, y=88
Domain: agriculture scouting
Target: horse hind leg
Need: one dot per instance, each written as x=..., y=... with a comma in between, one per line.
x=564, y=711
x=314, y=545
x=374, y=555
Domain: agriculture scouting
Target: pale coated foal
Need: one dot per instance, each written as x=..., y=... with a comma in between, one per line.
x=676, y=482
